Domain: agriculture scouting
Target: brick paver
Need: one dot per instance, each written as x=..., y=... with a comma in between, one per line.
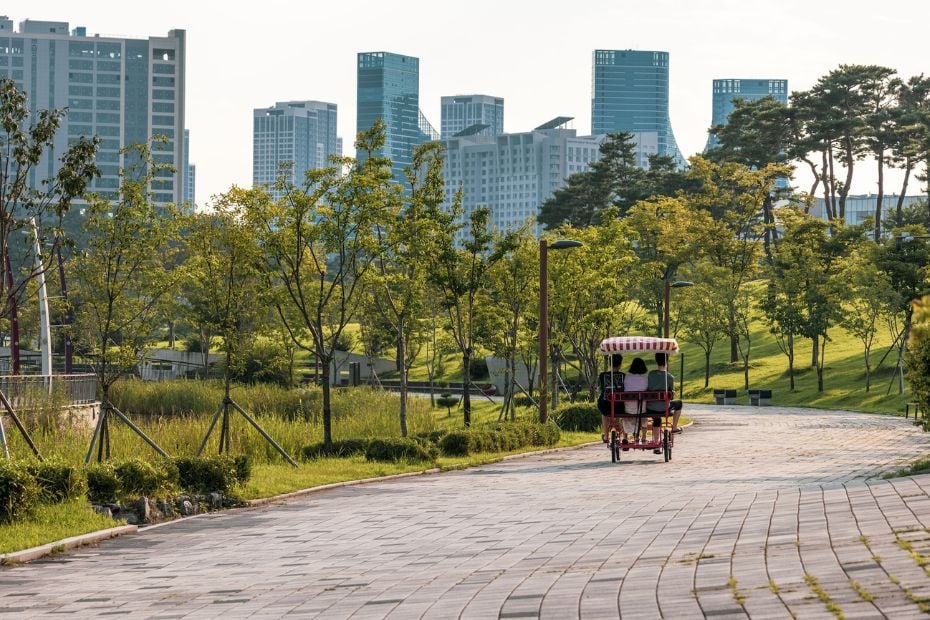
x=762, y=513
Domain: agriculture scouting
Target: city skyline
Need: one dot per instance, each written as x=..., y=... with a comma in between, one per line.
x=540, y=65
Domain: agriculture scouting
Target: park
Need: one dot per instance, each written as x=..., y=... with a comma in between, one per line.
x=389, y=409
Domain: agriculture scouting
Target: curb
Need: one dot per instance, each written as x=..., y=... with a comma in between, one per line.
x=34, y=553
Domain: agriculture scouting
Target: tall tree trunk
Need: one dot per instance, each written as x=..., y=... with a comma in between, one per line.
x=466, y=388
x=791, y=362
x=901, y=347
x=767, y=220
x=823, y=349
x=326, y=363
x=734, y=337
x=827, y=202
x=815, y=351
x=706, y=369
x=881, y=196
x=171, y=336
x=847, y=184
x=832, y=163
x=402, y=363
x=745, y=372
x=899, y=207
x=868, y=370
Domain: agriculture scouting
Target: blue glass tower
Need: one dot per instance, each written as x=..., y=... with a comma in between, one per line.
x=630, y=93
x=725, y=91
x=389, y=89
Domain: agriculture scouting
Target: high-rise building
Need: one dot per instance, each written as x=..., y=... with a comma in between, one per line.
x=725, y=91
x=389, y=89
x=190, y=174
x=301, y=134
x=463, y=111
x=123, y=90
x=514, y=174
x=630, y=93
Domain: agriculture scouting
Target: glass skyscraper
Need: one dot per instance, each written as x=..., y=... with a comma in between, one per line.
x=123, y=90
x=389, y=89
x=463, y=111
x=302, y=133
x=725, y=91
x=630, y=93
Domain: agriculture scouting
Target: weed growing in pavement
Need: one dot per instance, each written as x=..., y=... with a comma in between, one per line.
x=828, y=602
x=864, y=594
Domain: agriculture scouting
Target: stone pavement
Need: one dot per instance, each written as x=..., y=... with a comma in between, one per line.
x=762, y=513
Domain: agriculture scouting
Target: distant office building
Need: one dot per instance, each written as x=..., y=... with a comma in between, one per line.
x=861, y=207
x=725, y=91
x=123, y=90
x=389, y=89
x=190, y=175
x=299, y=133
x=513, y=174
x=630, y=93
x=463, y=111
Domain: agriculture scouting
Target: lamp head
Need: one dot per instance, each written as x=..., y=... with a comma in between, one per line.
x=563, y=244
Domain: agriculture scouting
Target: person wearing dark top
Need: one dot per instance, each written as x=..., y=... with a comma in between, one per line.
x=608, y=382
x=662, y=379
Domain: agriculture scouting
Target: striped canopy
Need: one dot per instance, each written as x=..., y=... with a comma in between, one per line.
x=639, y=344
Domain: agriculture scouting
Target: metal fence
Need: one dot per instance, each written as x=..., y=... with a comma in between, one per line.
x=27, y=390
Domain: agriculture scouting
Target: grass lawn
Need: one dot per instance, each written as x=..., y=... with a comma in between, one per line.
x=53, y=522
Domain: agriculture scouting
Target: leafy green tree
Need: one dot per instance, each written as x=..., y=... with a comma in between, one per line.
x=408, y=243
x=881, y=128
x=705, y=315
x=121, y=276
x=911, y=141
x=867, y=293
x=460, y=278
x=319, y=243
x=918, y=356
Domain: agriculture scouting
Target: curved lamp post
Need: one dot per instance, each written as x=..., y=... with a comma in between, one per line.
x=544, y=247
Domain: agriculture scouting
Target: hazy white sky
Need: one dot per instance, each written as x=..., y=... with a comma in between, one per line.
x=534, y=54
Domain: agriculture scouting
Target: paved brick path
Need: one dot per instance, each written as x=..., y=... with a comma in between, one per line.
x=762, y=513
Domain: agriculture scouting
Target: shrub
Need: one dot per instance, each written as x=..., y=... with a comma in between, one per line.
x=523, y=400
x=582, y=417
x=392, y=449
x=207, y=474
x=58, y=481
x=338, y=449
x=264, y=362
x=19, y=492
x=479, y=369
x=431, y=436
x=102, y=483
x=243, y=464
x=140, y=477
x=455, y=443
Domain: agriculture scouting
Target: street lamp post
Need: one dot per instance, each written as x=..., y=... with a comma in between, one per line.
x=544, y=247
x=668, y=294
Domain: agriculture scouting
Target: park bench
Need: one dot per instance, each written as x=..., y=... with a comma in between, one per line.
x=725, y=397
x=916, y=407
x=759, y=398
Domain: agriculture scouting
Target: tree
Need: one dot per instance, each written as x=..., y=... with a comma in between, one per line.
x=408, y=243
x=30, y=200
x=918, y=355
x=319, y=243
x=867, y=293
x=705, y=316
x=459, y=276
x=880, y=133
x=120, y=278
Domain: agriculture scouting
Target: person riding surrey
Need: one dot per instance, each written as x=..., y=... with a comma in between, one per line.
x=637, y=381
x=609, y=382
x=662, y=379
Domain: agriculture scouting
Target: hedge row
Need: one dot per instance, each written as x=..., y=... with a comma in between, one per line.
x=499, y=437
x=24, y=486
x=579, y=417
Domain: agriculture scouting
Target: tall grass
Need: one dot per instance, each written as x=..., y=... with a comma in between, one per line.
x=177, y=415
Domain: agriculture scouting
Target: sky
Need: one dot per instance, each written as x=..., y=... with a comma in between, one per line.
x=534, y=54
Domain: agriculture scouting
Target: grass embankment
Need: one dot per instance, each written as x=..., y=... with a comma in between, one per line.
x=52, y=522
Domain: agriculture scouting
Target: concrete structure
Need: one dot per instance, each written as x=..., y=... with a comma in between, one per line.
x=726, y=90
x=630, y=92
x=389, y=89
x=461, y=112
x=301, y=134
x=860, y=207
x=513, y=174
x=123, y=90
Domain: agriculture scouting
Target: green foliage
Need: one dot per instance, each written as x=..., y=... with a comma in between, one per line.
x=479, y=368
x=210, y=474
x=918, y=357
x=103, y=485
x=138, y=477
x=263, y=361
x=19, y=492
x=579, y=417
x=338, y=448
x=58, y=481
x=393, y=449
x=499, y=437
